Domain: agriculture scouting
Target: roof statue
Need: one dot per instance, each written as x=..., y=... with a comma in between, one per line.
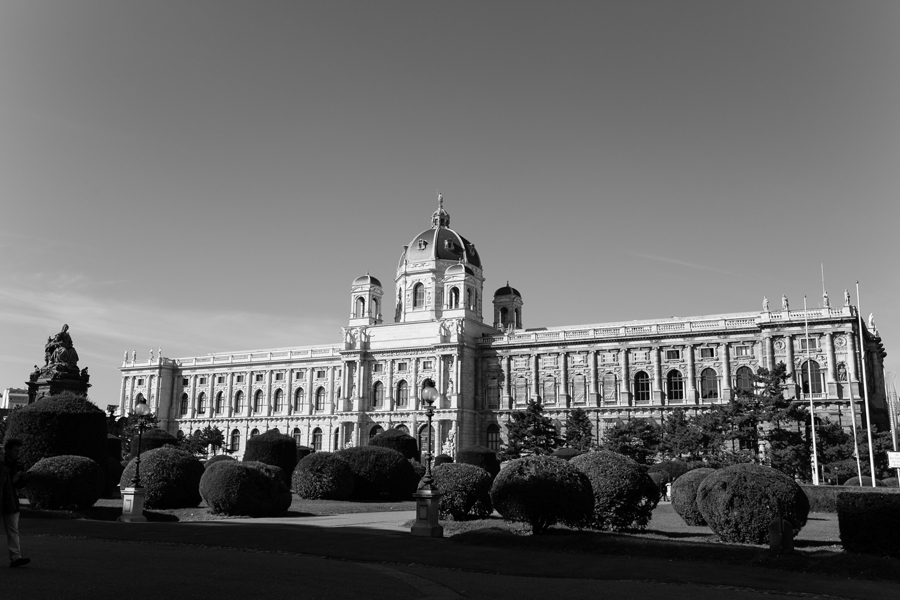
x=846, y=297
x=825, y=301
x=784, y=302
x=765, y=304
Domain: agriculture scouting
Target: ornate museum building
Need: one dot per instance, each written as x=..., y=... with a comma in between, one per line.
x=330, y=396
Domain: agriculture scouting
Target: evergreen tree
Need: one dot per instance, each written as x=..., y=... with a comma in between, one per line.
x=530, y=432
x=579, y=433
x=637, y=438
x=681, y=437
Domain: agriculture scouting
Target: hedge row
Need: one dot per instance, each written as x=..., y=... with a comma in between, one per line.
x=823, y=498
x=869, y=522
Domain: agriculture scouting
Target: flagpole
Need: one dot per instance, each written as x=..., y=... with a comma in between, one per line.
x=862, y=364
x=855, y=439
x=892, y=398
x=812, y=413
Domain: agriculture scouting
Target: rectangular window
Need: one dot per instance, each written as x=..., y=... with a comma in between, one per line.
x=140, y=382
x=239, y=379
x=427, y=365
x=279, y=376
x=742, y=351
x=258, y=377
x=298, y=374
x=813, y=343
x=607, y=357
x=640, y=355
x=379, y=367
x=707, y=352
x=220, y=379
x=203, y=381
x=320, y=374
x=185, y=381
x=401, y=366
x=673, y=354
x=520, y=362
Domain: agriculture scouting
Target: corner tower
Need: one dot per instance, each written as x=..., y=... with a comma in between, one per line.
x=439, y=275
x=365, y=301
x=508, y=308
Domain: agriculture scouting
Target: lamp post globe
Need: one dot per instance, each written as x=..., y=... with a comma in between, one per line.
x=141, y=411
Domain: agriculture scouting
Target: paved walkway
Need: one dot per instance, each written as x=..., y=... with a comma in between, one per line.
x=363, y=555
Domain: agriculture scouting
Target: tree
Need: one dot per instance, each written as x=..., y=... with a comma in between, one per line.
x=579, y=433
x=195, y=443
x=530, y=432
x=638, y=439
x=130, y=431
x=213, y=437
x=682, y=437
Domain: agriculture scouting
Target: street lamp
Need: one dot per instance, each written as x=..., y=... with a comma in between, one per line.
x=133, y=496
x=427, y=496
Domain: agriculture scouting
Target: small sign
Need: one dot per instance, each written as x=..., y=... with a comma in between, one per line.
x=893, y=460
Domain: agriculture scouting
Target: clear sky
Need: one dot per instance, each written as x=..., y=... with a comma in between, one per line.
x=211, y=176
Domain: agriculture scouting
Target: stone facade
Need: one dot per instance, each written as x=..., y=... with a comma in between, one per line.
x=336, y=395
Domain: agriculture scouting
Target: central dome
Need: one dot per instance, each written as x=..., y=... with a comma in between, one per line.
x=442, y=243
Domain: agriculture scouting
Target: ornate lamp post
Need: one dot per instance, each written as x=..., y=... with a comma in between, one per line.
x=133, y=496
x=427, y=496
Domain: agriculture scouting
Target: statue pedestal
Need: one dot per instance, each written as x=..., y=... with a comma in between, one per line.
x=132, y=505
x=47, y=386
x=426, y=525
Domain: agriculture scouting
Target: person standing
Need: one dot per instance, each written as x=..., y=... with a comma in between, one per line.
x=11, y=476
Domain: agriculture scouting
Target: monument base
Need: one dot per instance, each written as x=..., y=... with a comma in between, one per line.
x=132, y=506
x=47, y=386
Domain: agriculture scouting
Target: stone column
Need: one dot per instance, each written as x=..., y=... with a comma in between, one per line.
x=770, y=352
x=268, y=392
x=831, y=373
x=329, y=396
x=726, y=373
x=229, y=392
x=789, y=359
x=310, y=392
x=212, y=395
x=389, y=396
x=123, y=395
x=507, y=375
x=457, y=371
x=248, y=410
x=535, y=380
x=594, y=398
x=414, y=385
x=852, y=365
x=360, y=384
x=565, y=399
x=657, y=397
x=625, y=382
x=192, y=410
x=691, y=392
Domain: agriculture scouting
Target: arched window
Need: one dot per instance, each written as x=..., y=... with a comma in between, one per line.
x=360, y=307
x=254, y=433
x=180, y=435
x=320, y=399
x=140, y=399
x=403, y=428
x=239, y=401
x=743, y=379
x=275, y=430
x=377, y=395
x=454, y=297
x=298, y=399
x=257, y=401
x=493, y=437
x=641, y=387
x=709, y=384
x=298, y=437
x=518, y=318
x=402, y=394
x=418, y=295
x=201, y=404
x=376, y=311
x=279, y=400
x=469, y=303
x=674, y=385
x=504, y=316
x=235, y=444
x=219, y=398
x=423, y=439
x=610, y=388
x=375, y=431
x=548, y=391
x=184, y=404
x=811, y=373
x=317, y=439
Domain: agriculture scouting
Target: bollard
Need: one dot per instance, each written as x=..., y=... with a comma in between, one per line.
x=781, y=536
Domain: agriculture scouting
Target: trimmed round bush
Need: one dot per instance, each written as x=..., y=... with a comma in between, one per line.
x=216, y=459
x=170, y=476
x=567, y=453
x=398, y=440
x=276, y=449
x=866, y=482
x=624, y=495
x=739, y=502
x=480, y=457
x=152, y=439
x=891, y=482
x=379, y=472
x=441, y=459
x=684, y=496
x=542, y=491
x=303, y=452
x=60, y=425
x=65, y=482
x=251, y=488
x=322, y=476
x=462, y=487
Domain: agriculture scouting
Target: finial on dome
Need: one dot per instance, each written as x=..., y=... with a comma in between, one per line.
x=440, y=218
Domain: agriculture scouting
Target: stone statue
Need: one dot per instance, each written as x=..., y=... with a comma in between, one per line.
x=133, y=355
x=872, y=321
x=59, y=351
x=449, y=447
x=846, y=297
x=84, y=374
x=825, y=302
x=842, y=372
x=460, y=326
x=126, y=356
x=784, y=302
x=765, y=304
x=444, y=329
x=35, y=374
x=151, y=354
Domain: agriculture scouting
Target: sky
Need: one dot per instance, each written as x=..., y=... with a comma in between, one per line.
x=211, y=176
